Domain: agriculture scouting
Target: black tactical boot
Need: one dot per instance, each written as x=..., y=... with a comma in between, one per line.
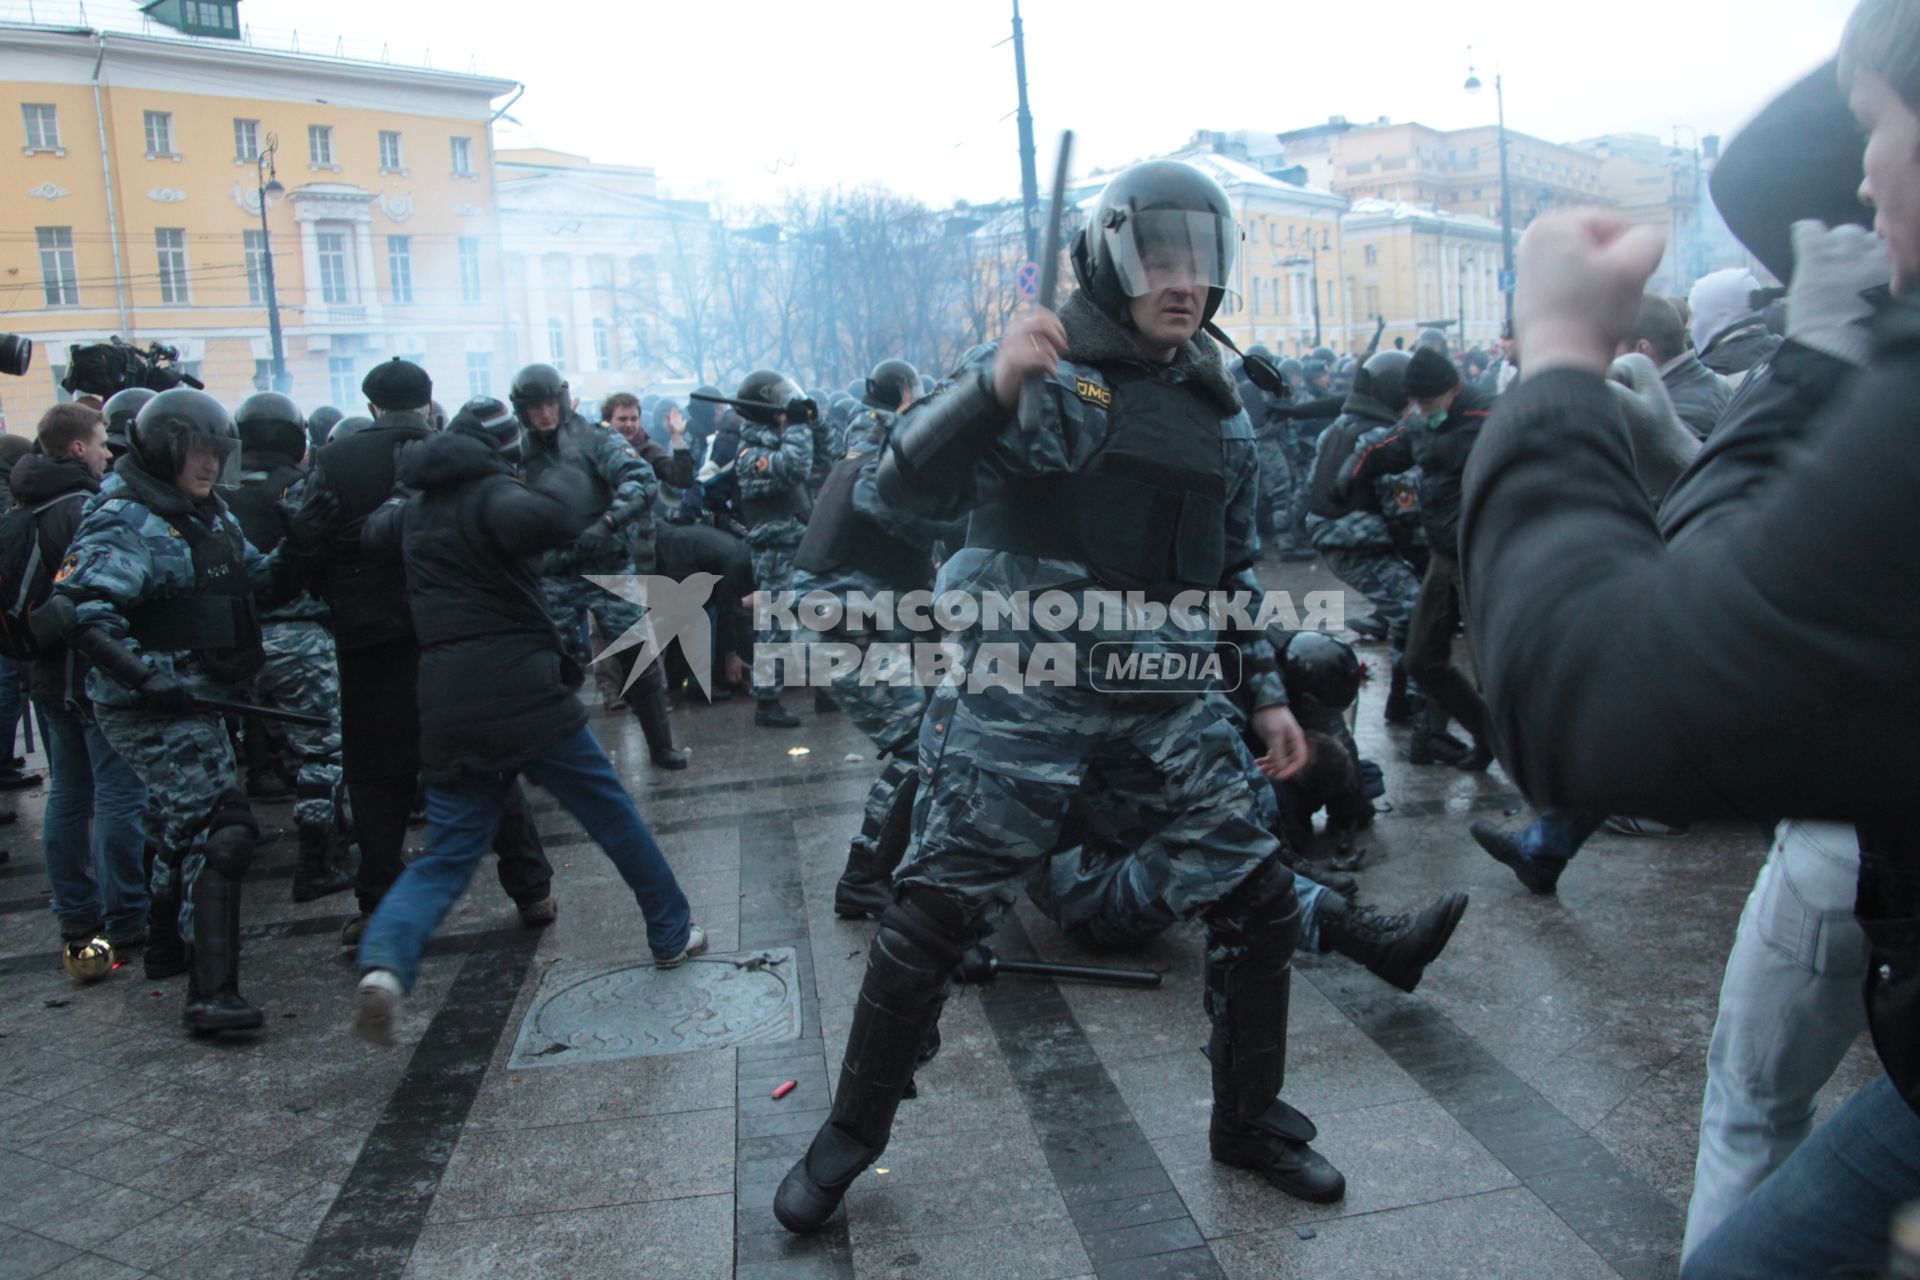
x=650, y=708
x=314, y=876
x=907, y=971
x=214, y=1002
x=166, y=954
x=1395, y=949
x=1402, y=704
x=823, y=703
x=1477, y=759
x=771, y=715
x=866, y=886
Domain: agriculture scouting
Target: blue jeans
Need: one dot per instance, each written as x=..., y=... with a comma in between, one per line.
x=1556, y=836
x=460, y=826
x=1830, y=1205
x=99, y=874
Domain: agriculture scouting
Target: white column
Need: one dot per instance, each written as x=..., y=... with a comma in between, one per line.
x=582, y=340
x=536, y=347
x=363, y=259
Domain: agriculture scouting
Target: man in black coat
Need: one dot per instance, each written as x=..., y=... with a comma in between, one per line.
x=377, y=654
x=1699, y=394
x=496, y=692
x=1762, y=668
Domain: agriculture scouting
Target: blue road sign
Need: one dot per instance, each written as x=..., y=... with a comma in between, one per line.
x=1027, y=280
x=1507, y=281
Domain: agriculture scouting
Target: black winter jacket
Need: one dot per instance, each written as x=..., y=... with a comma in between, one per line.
x=367, y=597
x=58, y=675
x=1699, y=394
x=494, y=689
x=1441, y=454
x=1760, y=667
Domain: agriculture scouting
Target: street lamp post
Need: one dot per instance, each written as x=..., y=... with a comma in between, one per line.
x=269, y=185
x=1506, y=184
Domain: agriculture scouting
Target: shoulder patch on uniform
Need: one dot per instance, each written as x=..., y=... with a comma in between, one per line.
x=67, y=567
x=1093, y=392
x=763, y=463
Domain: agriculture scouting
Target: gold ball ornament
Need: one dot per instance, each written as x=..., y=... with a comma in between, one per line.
x=87, y=961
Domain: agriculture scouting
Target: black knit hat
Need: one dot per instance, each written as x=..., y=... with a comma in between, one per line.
x=1430, y=374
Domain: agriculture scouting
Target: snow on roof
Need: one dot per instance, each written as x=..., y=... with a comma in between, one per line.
x=1401, y=211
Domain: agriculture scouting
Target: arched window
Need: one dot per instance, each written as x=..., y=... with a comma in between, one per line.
x=602, y=345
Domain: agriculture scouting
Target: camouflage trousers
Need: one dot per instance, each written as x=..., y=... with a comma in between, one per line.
x=187, y=764
x=772, y=574
x=571, y=601
x=1098, y=891
x=1387, y=582
x=1276, y=487
x=1000, y=770
x=300, y=675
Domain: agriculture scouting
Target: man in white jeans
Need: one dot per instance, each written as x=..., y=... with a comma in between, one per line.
x=1790, y=1008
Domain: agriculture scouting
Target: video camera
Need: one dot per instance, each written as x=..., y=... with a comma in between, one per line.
x=16, y=353
x=104, y=368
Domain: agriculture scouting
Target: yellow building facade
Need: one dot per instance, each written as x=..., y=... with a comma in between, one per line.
x=1416, y=267
x=131, y=206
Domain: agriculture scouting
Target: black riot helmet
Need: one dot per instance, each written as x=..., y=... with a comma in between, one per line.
x=1319, y=669
x=857, y=388
x=1324, y=355
x=177, y=422
x=703, y=415
x=892, y=384
x=269, y=422
x=539, y=384
x=1158, y=223
x=1384, y=377
x=347, y=426
x=1433, y=340
x=121, y=408
x=764, y=395
x=1314, y=368
x=491, y=422
x=1293, y=371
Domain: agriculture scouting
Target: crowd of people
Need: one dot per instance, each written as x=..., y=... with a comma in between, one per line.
x=1665, y=525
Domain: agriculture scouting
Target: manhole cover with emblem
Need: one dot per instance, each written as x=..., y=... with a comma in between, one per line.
x=593, y=1013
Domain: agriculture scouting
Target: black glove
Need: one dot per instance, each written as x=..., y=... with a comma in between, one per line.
x=309, y=528
x=164, y=691
x=122, y=665
x=802, y=411
x=596, y=542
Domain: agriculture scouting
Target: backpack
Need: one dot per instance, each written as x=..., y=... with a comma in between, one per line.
x=26, y=576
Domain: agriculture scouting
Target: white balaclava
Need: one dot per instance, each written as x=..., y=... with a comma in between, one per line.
x=1717, y=301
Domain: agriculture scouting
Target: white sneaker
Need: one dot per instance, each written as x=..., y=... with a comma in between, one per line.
x=696, y=943
x=375, y=1002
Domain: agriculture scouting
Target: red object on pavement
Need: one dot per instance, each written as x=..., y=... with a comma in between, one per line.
x=786, y=1088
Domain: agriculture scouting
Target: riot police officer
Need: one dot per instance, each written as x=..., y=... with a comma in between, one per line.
x=1132, y=468
x=624, y=488
x=157, y=591
x=779, y=433
x=298, y=673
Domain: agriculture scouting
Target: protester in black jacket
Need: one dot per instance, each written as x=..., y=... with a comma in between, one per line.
x=496, y=692
x=1765, y=667
x=378, y=656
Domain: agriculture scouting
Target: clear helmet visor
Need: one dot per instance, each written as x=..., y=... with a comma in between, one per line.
x=194, y=450
x=1155, y=249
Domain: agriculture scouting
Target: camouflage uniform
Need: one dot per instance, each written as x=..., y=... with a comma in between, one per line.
x=300, y=674
x=628, y=484
x=773, y=462
x=1361, y=547
x=123, y=555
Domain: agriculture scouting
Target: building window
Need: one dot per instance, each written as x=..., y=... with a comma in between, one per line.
x=263, y=375
x=334, y=282
x=255, y=244
x=346, y=387
x=400, y=267
x=390, y=158
x=171, y=245
x=1326, y=239
x=59, y=277
x=463, y=157
x=479, y=374
x=1373, y=255
x=557, y=345
x=320, y=145
x=246, y=140
x=1476, y=193
x=602, y=345
x=1373, y=302
x=470, y=269
x=43, y=126
x=159, y=134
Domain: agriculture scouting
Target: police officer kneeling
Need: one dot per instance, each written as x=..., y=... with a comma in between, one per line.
x=157, y=592
x=1137, y=471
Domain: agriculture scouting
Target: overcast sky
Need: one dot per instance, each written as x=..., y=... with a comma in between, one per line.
x=744, y=97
